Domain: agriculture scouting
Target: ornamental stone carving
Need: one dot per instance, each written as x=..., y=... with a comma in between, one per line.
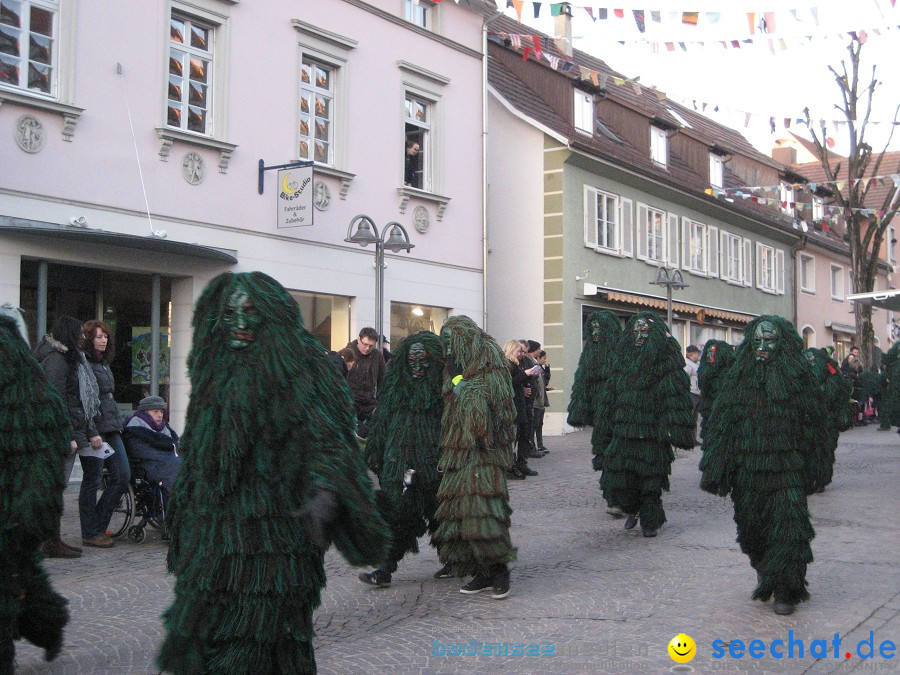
x=29, y=134
x=321, y=196
x=193, y=168
x=421, y=219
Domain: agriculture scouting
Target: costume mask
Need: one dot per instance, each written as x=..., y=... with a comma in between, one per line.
x=419, y=361
x=641, y=331
x=711, y=353
x=595, y=331
x=445, y=339
x=765, y=340
x=241, y=318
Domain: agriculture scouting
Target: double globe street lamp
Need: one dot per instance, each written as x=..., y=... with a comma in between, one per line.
x=397, y=239
x=671, y=279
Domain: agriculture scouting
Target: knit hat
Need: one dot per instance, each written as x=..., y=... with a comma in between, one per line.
x=152, y=403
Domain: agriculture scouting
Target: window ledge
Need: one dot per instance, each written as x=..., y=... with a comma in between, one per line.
x=344, y=177
x=69, y=113
x=808, y=291
x=168, y=136
x=406, y=193
x=608, y=251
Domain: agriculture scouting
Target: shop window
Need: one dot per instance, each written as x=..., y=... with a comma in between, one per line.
x=407, y=318
x=327, y=317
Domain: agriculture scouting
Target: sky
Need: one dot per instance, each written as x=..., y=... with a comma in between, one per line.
x=756, y=78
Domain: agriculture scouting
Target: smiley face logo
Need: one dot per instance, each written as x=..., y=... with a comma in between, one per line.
x=682, y=648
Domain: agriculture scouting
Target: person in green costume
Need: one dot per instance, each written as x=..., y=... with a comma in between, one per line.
x=271, y=475
x=477, y=434
x=403, y=448
x=33, y=444
x=890, y=404
x=717, y=358
x=836, y=390
x=647, y=404
x=601, y=337
x=755, y=450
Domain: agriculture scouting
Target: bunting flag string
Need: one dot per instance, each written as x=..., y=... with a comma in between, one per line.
x=893, y=178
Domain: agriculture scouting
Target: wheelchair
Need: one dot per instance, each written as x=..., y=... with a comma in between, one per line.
x=143, y=501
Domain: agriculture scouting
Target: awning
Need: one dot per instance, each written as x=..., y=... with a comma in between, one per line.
x=841, y=327
x=700, y=313
x=884, y=299
x=92, y=236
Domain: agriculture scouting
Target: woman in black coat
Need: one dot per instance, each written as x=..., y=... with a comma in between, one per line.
x=514, y=351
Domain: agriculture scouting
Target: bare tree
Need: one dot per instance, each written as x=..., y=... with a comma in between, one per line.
x=865, y=233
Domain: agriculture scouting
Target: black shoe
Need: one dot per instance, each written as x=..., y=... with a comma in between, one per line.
x=443, y=573
x=514, y=474
x=524, y=469
x=615, y=512
x=376, y=578
x=648, y=532
x=479, y=583
x=500, y=585
x=783, y=608
x=631, y=521
x=535, y=454
x=543, y=449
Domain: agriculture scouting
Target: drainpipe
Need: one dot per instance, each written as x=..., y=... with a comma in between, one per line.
x=795, y=249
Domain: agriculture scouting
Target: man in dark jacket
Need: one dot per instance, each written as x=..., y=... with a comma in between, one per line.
x=366, y=376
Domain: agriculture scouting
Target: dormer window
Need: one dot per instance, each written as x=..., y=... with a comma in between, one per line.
x=716, y=170
x=787, y=199
x=584, y=112
x=659, y=145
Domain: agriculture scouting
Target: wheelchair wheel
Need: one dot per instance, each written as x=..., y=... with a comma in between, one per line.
x=136, y=534
x=122, y=514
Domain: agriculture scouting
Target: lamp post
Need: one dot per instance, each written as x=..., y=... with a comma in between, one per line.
x=397, y=239
x=670, y=279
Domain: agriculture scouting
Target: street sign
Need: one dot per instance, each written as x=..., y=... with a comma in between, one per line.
x=295, y=197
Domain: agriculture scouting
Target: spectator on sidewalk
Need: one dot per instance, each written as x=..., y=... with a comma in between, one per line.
x=366, y=376
x=538, y=402
x=691, y=367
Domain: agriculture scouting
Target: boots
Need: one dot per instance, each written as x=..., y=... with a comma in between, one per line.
x=57, y=548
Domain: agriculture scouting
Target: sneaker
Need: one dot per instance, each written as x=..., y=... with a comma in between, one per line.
x=100, y=541
x=543, y=449
x=631, y=521
x=500, y=587
x=479, y=583
x=514, y=474
x=443, y=573
x=534, y=454
x=376, y=578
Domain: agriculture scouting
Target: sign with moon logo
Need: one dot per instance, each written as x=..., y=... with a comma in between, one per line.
x=295, y=197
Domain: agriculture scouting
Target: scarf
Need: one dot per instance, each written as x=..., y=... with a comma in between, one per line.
x=146, y=419
x=88, y=390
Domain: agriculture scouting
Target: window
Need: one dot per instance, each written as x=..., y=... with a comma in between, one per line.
x=701, y=248
x=807, y=273
x=735, y=259
x=190, y=74
x=818, y=209
x=327, y=317
x=837, y=282
x=602, y=231
x=407, y=319
x=659, y=145
x=769, y=269
x=891, y=239
x=652, y=234
x=418, y=132
x=419, y=12
x=28, y=45
x=316, y=111
x=716, y=171
x=787, y=199
x=584, y=112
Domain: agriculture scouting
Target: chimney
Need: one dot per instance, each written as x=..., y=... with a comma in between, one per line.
x=563, y=29
x=785, y=155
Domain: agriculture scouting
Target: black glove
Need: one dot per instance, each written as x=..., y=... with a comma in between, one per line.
x=318, y=516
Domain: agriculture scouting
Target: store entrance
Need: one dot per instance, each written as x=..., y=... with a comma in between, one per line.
x=123, y=301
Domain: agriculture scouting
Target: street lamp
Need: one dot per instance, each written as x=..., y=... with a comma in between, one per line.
x=397, y=239
x=670, y=279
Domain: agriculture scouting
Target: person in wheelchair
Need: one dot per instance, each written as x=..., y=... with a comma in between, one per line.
x=152, y=444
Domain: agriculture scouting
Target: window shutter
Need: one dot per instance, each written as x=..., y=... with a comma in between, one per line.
x=686, y=261
x=642, y=216
x=674, y=240
x=779, y=272
x=748, y=262
x=712, y=251
x=627, y=222
x=760, y=272
x=723, y=254
x=590, y=218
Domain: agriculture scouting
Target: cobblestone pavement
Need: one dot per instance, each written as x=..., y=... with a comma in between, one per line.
x=605, y=600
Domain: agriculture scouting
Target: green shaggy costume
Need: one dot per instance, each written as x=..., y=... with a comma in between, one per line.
x=718, y=356
x=33, y=443
x=477, y=434
x=648, y=410
x=601, y=337
x=836, y=390
x=405, y=435
x=890, y=405
x=755, y=449
x=271, y=472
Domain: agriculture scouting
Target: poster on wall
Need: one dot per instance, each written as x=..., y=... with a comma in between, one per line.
x=140, y=355
x=295, y=197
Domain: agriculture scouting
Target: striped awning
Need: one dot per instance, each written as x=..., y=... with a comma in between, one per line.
x=700, y=314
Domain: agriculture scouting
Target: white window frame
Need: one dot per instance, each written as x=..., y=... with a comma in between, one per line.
x=716, y=170
x=786, y=193
x=659, y=145
x=208, y=55
x=818, y=208
x=423, y=14
x=309, y=118
x=769, y=268
x=426, y=86
x=889, y=252
x=807, y=273
x=837, y=275
x=660, y=239
x=733, y=251
x=593, y=226
x=23, y=61
x=583, y=112
x=696, y=255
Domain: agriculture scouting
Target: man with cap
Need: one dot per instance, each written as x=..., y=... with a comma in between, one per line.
x=152, y=442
